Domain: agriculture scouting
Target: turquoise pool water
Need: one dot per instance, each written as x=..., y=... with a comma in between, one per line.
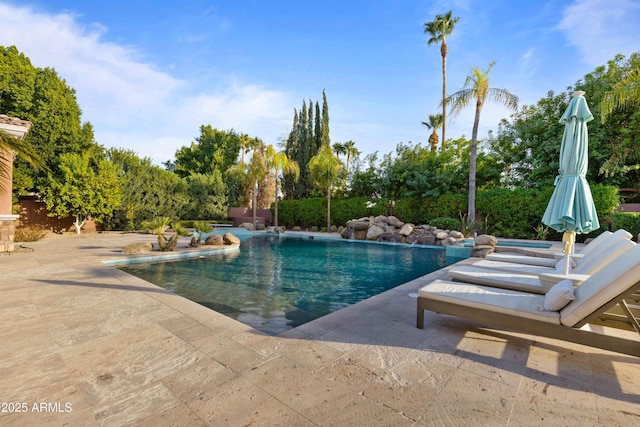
x=277, y=283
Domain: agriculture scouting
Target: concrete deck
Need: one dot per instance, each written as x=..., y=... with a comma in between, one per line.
x=99, y=347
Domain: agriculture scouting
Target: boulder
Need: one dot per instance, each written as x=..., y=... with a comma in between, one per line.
x=374, y=232
x=194, y=243
x=449, y=241
x=411, y=239
x=137, y=248
x=358, y=225
x=247, y=226
x=230, y=239
x=441, y=234
x=406, y=230
x=486, y=239
x=381, y=218
x=214, y=240
x=345, y=233
x=394, y=222
x=482, y=251
x=275, y=230
x=360, y=234
x=426, y=239
x=456, y=234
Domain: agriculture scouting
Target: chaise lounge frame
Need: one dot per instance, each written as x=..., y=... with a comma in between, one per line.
x=557, y=331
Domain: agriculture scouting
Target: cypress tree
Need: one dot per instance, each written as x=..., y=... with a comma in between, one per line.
x=317, y=137
x=325, y=120
x=304, y=141
x=291, y=150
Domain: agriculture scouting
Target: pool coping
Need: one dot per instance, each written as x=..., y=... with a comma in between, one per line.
x=182, y=253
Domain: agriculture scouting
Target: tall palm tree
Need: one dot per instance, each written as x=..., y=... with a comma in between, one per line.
x=338, y=148
x=256, y=170
x=439, y=29
x=434, y=122
x=279, y=162
x=351, y=150
x=324, y=168
x=622, y=95
x=476, y=87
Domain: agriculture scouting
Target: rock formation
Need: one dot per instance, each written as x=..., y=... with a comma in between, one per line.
x=391, y=229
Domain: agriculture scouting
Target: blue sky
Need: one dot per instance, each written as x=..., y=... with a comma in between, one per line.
x=149, y=73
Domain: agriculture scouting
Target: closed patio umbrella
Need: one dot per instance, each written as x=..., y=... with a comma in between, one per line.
x=571, y=208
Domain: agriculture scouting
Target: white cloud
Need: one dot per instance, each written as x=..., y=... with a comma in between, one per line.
x=602, y=28
x=130, y=102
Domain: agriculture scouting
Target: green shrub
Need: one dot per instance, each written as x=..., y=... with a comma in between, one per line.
x=629, y=221
x=445, y=223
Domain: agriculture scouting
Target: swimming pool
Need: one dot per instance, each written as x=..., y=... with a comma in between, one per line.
x=275, y=283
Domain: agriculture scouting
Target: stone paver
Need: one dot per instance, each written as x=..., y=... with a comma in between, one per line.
x=84, y=344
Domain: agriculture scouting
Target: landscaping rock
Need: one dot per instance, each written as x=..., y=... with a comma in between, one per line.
x=482, y=250
x=137, y=248
x=247, y=226
x=275, y=230
x=441, y=234
x=449, y=241
x=374, y=232
x=394, y=222
x=485, y=239
x=456, y=234
x=194, y=243
x=360, y=234
x=358, y=224
x=214, y=240
x=231, y=239
x=406, y=230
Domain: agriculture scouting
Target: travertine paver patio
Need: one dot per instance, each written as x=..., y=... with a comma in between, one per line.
x=99, y=347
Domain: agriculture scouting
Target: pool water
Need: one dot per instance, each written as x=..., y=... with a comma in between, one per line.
x=276, y=283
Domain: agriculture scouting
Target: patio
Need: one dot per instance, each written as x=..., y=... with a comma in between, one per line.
x=99, y=347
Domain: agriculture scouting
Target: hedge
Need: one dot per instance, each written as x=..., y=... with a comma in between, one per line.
x=504, y=212
x=629, y=221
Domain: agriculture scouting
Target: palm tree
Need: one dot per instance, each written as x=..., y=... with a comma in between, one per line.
x=9, y=144
x=159, y=226
x=324, y=168
x=280, y=163
x=476, y=86
x=434, y=122
x=624, y=94
x=439, y=29
x=351, y=150
x=338, y=148
x=255, y=172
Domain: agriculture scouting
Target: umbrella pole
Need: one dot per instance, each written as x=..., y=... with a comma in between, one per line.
x=568, y=240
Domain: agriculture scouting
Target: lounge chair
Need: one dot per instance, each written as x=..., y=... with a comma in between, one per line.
x=575, y=322
x=552, y=259
x=601, y=254
x=541, y=283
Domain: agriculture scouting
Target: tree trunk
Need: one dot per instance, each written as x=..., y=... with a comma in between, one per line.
x=79, y=223
x=443, y=52
x=277, y=197
x=472, y=164
x=329, y=208
x=254, y=202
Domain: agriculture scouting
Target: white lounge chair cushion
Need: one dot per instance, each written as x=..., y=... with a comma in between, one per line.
x=588, y=265
x=506, y=301
x=609, y=282
x=559, y=296
x=497, y=278
x=521, y=259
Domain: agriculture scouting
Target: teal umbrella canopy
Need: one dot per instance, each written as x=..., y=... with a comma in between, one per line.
x=571, y=206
